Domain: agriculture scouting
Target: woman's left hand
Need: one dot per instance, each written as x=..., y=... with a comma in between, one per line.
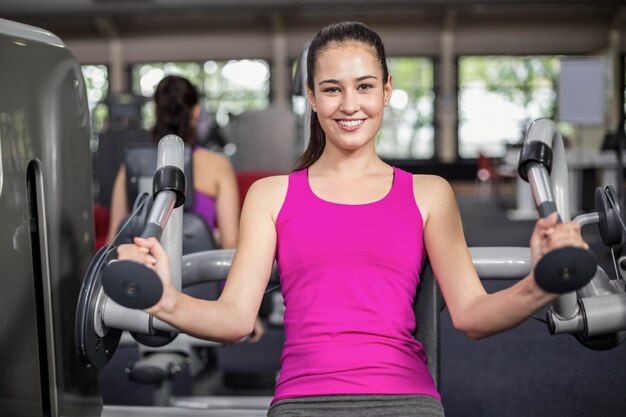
x=549, y=235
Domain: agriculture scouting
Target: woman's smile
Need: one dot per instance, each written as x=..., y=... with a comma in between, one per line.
x=350, y=125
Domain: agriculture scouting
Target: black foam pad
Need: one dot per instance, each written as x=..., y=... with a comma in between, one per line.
x=565, y=269
x=132, y=284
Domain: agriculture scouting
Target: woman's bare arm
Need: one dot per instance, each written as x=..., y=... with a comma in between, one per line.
x=472, y=310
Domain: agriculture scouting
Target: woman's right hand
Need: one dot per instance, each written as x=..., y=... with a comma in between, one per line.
x=150, y=253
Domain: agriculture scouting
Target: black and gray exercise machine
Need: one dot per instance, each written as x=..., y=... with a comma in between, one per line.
x=157, y=366
x=592, y=307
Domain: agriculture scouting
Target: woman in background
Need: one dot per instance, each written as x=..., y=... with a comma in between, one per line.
x=177, y=111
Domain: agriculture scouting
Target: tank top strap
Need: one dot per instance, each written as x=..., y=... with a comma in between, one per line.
x=402, y=187
x=297, y=194
x=299, y=188
x=298, y=185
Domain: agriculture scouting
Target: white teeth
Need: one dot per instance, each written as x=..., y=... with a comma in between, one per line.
x=350, y=123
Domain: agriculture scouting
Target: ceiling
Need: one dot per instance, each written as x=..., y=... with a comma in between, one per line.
x=106, y=18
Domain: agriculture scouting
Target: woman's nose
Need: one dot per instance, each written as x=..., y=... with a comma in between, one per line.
x=349, y=103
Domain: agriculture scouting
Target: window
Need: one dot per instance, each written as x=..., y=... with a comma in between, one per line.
x=499, y=96
x=407, y=131
x=226, y=87
x=97, y=85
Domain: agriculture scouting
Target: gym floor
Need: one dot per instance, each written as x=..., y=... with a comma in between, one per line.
x=520, y=373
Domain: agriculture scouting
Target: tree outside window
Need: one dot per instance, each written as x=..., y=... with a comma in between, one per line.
x=499, y=96
x=97, y=86
x=407, y=131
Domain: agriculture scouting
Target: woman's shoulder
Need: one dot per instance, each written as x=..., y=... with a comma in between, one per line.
x=432, y=192
x=206, y=155
x=429, y=182
x=274, y=184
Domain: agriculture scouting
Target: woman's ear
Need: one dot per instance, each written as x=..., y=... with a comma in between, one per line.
x=311, y=97
x=388, y=90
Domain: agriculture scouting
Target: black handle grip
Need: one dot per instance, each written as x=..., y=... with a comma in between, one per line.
x=152, y=230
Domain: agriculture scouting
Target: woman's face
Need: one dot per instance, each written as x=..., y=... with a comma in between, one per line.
x=349, y=94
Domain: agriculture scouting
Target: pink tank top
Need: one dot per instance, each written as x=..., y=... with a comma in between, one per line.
x=349, y=275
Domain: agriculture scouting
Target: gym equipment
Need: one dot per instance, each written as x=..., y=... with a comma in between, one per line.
x=46, y=232
x=95, y=340
x=111, y=286
x=593, y=309
x=129, y=283
x=565, y=269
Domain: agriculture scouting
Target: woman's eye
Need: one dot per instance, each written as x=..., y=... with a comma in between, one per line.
x=365, y=87
x=331, y=90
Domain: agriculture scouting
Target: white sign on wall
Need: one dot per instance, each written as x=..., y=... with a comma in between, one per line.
x=581, y=90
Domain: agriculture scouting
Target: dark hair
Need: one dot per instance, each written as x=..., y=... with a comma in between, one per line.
x=174, y=99
x=336, y=33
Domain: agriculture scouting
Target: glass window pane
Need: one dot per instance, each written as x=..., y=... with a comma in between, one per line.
x=97, y=85
x=232, y=87
x=499, y=96
x=407, y=131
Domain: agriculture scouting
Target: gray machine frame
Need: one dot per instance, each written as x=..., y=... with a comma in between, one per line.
x=46, y=233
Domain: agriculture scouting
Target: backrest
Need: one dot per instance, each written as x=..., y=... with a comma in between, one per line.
x=197, y=235
x=108, y=158
x=428, y=306
x=140, y=160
